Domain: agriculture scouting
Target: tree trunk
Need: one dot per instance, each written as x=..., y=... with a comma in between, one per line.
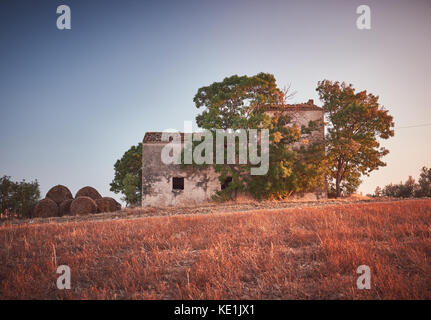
x=337, y=188
x=338, y=178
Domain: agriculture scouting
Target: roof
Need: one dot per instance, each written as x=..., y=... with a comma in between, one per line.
x=151, y=137
x=308, y=106
x=156, y=137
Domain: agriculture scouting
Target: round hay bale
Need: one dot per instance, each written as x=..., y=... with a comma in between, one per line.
x=59, y=193
x=64, y=208
x=45, y=208
x=83, y=205
x=107, y=204
x=88, y=192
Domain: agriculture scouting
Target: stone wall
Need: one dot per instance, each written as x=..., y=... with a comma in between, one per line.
x=201, y=184
x=302, y=118
x=157, y=180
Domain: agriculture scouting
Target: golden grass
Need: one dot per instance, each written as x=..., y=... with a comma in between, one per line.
x=309, y=253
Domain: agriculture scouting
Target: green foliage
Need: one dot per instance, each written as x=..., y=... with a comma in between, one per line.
x=128, y=175
x=378, y=192
x=282, y=178
x=18, y=197
x=235, y=102
x=132, y=188
x=401, y=190
x=238, y=103
x=355, y=123
x=311, y=167
x=424, y=188
x=410, y=188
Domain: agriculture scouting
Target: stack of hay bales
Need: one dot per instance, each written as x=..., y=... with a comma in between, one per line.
x=107, y=204
x=45, y=208
x=83, y=205
x=60, y=202
x=61, y=195
x=85, y=201
x=88, y=192
x=49, y=207
x=65, y=207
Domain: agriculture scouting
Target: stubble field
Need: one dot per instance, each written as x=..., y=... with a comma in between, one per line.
x=287, y=253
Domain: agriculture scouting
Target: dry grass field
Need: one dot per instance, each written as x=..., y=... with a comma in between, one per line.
x=288, y=253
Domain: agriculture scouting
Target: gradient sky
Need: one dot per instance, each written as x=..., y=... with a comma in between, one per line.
x=73, y=101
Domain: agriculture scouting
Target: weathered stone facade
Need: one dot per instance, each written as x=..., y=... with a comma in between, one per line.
x=157, y=179
x=172, y=185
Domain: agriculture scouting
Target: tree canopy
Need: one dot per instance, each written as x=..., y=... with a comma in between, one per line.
x=18, y=197
x=355, y=123
x=409, y=188
x=239, y=102
x=235, y=102
x=128, y=175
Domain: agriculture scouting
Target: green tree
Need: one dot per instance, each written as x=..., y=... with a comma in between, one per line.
x=355, y=123
x=239, y=102
x=128, y=175
x=407, y=189
x=18, y=197
x=282, y=179
x=410, y=188
x=236, y=103
x=7, y=187
x=424, y=188
x=132, y=188
x=378, y=192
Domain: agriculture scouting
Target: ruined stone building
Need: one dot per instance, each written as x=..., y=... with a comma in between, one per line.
x=171, y=185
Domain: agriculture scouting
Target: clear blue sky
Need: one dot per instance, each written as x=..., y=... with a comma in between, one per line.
x=72, y=102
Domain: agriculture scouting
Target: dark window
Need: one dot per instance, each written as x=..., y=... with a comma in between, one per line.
x=226, y=183
x=178, y=183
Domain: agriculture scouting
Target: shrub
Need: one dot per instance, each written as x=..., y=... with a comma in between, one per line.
x=410, y=188
x=18, y=198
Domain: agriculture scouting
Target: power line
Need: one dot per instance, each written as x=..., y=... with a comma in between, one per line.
x=415, y=126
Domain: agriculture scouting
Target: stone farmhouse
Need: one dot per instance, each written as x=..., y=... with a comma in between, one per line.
x=171, y=185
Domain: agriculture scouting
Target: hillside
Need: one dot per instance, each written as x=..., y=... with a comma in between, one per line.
x=280, y=253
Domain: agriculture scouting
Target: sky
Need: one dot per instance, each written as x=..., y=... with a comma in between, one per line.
x=73, y=101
